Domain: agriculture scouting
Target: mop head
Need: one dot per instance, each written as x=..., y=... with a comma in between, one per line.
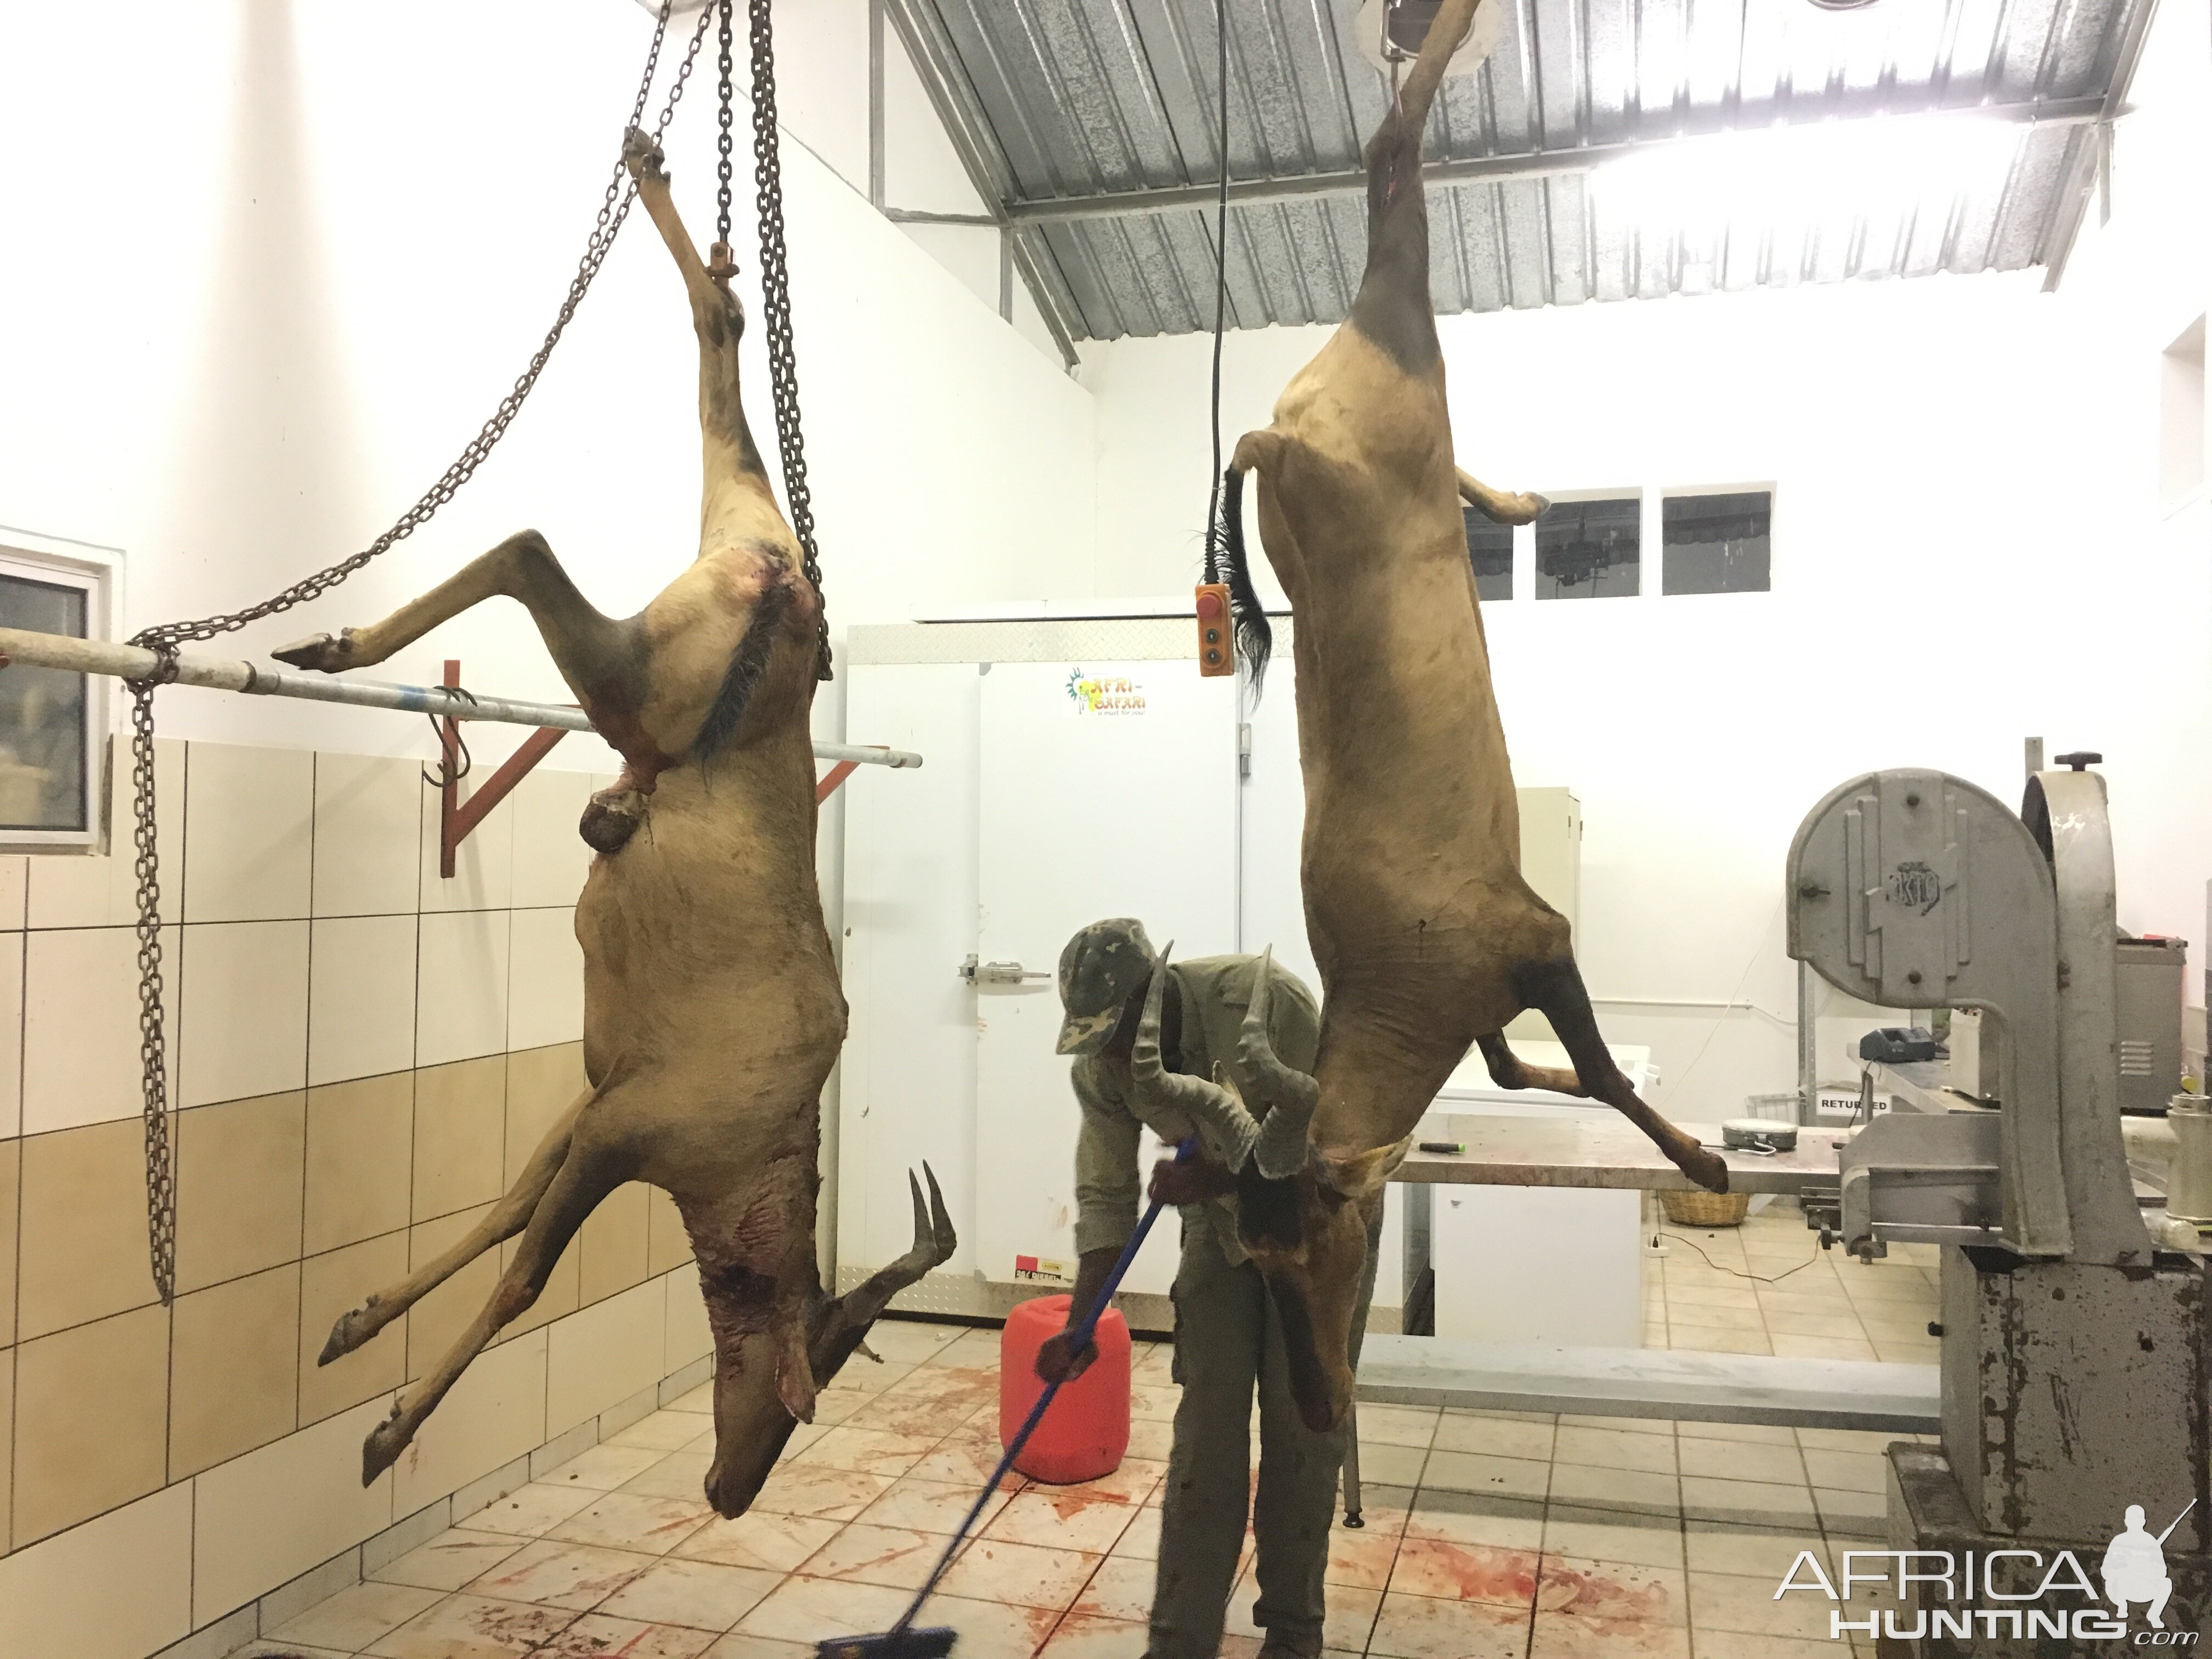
x=933, y=1644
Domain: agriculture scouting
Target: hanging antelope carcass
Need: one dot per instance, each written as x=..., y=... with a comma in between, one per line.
x=1427, y=939
x=712, y=1012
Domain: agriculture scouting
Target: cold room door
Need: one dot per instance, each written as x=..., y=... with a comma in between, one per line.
x=1106, y=789
x=907, y=1079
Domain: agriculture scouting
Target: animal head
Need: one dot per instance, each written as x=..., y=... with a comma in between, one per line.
x=1309, y=1235
x=1304, y=1216
x=777, y=1346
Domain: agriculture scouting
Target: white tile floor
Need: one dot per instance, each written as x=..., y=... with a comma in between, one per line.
x=1488, y=1536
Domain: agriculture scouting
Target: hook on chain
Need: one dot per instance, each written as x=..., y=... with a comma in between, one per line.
x=447, y=775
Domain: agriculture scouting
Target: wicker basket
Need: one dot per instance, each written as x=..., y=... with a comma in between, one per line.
x=1703, y=1209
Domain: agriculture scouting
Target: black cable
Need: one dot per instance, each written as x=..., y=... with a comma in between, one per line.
x=1757, y=1278
x=1216, y=531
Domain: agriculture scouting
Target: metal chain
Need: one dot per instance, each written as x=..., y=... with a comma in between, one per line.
x=775, y=303
x=164, y=639
x=722, y=146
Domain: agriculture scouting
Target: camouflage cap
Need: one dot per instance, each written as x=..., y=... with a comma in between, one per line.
x=1101, y=966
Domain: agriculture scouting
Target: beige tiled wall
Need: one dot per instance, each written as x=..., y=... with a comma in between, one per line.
x=364, y=1056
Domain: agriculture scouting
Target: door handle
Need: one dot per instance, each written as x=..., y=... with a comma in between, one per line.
x=997, y=973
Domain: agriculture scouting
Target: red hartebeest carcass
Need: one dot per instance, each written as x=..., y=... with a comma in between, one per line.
x=1427, y=939
x=712, y=1012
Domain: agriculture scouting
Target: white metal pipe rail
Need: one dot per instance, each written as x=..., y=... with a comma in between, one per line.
x=129, y=662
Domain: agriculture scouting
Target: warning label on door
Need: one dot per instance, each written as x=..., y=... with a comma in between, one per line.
x=1042, y=1270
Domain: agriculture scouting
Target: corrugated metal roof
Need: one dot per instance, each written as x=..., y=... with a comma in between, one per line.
x=1094, y=123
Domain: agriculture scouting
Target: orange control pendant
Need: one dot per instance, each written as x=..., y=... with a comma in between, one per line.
x=1216, y=643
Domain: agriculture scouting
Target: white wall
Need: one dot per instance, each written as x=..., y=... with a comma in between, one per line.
x=275, y=264
x=285, y=259
x=1968, y=549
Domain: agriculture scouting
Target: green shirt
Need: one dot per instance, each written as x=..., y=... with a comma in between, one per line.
x=1215, y=992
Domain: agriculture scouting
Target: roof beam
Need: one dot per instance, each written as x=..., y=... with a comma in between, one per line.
x=2093, y=154
x=969, y=128
x=1486, y=169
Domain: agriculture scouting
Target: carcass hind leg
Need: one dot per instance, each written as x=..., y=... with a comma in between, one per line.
x=577, y=1188
x=507, y=1217
x=718, y=320
x=1500, y=506
x=1555, y=989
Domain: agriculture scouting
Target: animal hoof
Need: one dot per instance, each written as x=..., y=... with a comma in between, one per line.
x=320, y=653
x=382, y=1448
x=642, y=156
x=352, y=1328
x=1708, y=1169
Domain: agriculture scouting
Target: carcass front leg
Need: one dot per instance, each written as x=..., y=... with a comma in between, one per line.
x=601, y=659
x=508, y=1218
x=575, y=1192
x=1509, y=1071
x=1555, y=989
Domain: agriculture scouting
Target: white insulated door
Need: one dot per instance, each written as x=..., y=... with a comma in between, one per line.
x=1106, y=789
x=1051, y=795
x=906, y=1078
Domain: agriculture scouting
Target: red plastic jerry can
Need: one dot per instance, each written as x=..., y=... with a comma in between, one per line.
x=1086, y=1430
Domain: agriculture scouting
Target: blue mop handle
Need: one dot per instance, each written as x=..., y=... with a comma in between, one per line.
x=1079, y=1340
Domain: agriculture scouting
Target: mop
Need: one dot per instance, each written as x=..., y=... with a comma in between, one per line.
x=903, y=1640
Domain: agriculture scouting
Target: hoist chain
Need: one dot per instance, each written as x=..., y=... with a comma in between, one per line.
x=775, y=303
x=723, y=263
x=163, y=641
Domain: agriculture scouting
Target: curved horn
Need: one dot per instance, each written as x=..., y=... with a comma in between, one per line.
x=1280, y=1148
x=1233, y=1129
x=838, y=1326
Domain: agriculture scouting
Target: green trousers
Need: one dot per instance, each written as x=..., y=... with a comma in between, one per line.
x=1228, y=1340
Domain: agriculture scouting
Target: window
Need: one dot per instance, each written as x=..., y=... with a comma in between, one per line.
x=1716, y=543
x=52, y=722
x=1589, y=549
x=1490, y=551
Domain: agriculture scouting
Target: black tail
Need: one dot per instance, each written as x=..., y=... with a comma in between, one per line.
x=1255, y=638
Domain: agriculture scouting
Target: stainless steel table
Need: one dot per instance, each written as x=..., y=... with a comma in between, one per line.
x=1609, y=1152
x=1600, y=1152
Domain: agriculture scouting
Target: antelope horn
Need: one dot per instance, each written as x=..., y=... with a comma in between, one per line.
x=1232, y=1129
x=1280, y=1149
x=842, y=1324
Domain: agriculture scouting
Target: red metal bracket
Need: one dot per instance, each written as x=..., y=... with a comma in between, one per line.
x=457, y=817
x=826, y=786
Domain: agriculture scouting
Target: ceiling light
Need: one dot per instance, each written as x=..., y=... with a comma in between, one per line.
x=1868, y=166
x=1395, y=30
